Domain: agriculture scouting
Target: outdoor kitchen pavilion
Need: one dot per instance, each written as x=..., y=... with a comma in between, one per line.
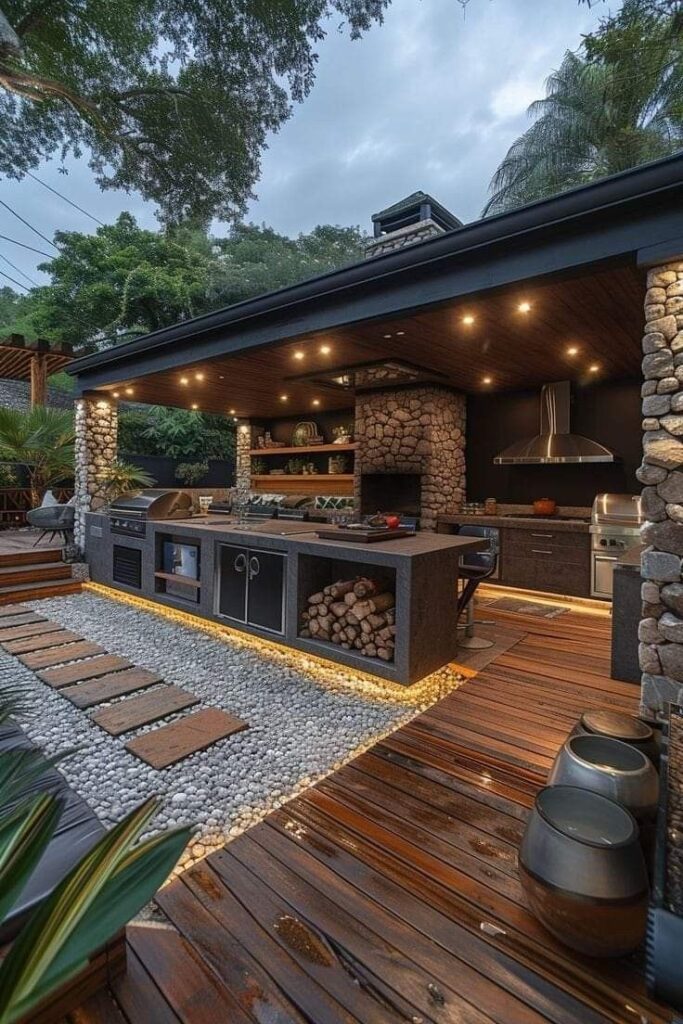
x=551, y=291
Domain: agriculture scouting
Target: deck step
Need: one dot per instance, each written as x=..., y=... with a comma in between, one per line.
x=78, y=672
x=31, y=557
x=14, y=574
x=28, y=629
x=61, y=655
x=143, y=709
x=170, y=743
x=14, y=609
x=116, y=684
x=38, y=643
x=37, y=591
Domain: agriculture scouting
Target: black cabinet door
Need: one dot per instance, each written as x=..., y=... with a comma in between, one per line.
x=265, y=598
x=232, y=584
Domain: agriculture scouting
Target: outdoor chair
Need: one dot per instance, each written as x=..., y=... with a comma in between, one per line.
x=475, y=567
x=52, y=519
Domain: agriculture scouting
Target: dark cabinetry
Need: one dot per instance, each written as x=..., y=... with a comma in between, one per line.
x=251, y=586
x=543, y=559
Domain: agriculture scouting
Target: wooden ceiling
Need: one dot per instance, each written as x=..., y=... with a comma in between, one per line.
x=585, y=329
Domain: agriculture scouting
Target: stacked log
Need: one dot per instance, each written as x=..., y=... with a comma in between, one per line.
x=357, y=614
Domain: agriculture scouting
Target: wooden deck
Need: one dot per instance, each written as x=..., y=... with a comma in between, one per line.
x=389, y=892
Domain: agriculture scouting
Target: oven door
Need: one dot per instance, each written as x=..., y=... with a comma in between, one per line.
x=602, y=570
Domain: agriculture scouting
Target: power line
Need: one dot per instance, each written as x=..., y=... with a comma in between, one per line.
x=66, y=199
x=23, y=221
x=23, y=245
x=17, y=283
x=19, y=270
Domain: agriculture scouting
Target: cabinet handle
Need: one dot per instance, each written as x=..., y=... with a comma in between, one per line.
x=538, y=551
x=548, y=535
x=240, y=563
x=254, y=567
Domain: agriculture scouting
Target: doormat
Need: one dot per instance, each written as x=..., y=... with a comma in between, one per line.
x=513, y=604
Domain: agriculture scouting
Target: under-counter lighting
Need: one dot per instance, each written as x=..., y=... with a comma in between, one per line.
x=524, y=307
x=298, y=354
x=468, y=319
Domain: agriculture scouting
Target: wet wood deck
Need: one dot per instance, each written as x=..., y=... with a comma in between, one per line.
x=389, y=892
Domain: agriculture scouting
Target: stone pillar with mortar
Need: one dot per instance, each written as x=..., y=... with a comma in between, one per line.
x=96, y=426
x=661, y=473
x=245, y=440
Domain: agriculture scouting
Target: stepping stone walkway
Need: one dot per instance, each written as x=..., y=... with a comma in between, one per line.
x=86, y=674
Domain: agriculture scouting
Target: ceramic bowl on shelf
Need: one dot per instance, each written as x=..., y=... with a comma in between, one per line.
x=619, y=726
x=609, y=767
x=583, y=872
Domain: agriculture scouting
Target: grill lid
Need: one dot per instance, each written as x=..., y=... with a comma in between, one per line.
x=151, y=504
x=617, y=510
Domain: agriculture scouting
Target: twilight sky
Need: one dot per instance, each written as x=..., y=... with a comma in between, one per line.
x=430, y=100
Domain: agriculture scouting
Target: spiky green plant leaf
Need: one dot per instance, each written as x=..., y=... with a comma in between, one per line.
x=21, y=769
x=24, y=835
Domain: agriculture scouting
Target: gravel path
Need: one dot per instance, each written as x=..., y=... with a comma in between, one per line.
x=305, y=720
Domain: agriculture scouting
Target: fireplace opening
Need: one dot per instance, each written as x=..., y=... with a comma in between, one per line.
x=398, y=493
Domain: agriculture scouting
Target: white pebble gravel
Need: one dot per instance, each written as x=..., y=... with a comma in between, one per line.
x=304, y=721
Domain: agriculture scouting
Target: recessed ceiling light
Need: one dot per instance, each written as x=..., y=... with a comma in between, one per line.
x=387, y=335
x=572, y=350
x=115, y=394
x=486, y=380
x=235, y=418
x=184, y=380
x=399, y=334
x=199, y=376
x=594, y=368
x=194, y=405
x=283, y=398
x=325, y=350
x=468, y=319
x=221, y=376
x=298, y=354
x=316, y=401
x=129, y=391
x=524, y=307
x=232, y=412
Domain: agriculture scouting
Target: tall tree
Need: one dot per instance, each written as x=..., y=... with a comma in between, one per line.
x=172, y=98
x=616, y=103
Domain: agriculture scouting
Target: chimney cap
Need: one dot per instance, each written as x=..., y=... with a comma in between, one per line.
x=414, y=208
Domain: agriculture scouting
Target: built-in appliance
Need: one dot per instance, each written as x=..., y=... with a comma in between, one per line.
x=555, y=443
x=181, y=560
x=126, y=566
x=128, y=515
x=251, y=586
x=615, y=527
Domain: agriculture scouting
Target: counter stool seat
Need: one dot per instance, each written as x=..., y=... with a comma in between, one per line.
x=475, y=567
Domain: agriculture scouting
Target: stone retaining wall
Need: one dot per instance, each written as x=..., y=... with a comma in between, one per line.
x=661, y=473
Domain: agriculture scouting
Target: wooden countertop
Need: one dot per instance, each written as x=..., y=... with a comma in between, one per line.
x=508, y=522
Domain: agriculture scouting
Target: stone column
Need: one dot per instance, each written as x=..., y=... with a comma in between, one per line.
x=661, y=627
x=96, y=436
x=245, y=440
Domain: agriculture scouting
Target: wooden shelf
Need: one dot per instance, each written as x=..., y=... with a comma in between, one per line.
x=335, y=484
x=311, y=449
x=177, y=578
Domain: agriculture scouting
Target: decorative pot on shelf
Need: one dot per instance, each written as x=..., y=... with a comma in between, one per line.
x=583, y=872
x=545, y=507
x=609, y=767
x=619, y=726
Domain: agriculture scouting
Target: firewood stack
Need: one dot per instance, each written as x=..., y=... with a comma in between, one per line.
x=357, y=614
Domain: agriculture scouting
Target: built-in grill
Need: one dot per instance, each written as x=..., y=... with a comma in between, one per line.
x=615, y=527
x=129, y=514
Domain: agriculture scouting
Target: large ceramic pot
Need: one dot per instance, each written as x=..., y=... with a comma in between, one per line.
x=583, y=872
x=618, y=726
x=611, y=768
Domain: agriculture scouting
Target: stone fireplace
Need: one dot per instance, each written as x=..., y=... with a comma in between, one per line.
x=415, y=437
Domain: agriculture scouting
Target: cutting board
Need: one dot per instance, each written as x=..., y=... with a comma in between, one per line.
x=367, y=536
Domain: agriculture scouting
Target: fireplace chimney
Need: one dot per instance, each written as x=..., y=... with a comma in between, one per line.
x=414, y=219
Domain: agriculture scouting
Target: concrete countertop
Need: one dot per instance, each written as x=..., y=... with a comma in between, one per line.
x=530, y=522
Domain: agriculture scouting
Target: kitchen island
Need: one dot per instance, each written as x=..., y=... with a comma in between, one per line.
x=258, y=577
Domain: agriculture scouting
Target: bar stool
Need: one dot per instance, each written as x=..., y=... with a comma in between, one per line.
x=475, y=567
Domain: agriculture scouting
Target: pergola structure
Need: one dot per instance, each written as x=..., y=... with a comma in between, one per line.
x=33, y=361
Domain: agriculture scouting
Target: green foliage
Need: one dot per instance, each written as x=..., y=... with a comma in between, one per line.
x=176, y=434
x=615, y=104
x=126, y=280
x=172, y=98
x=8, y=475
x=122, y=477
x=190, y=473
x=42, y=439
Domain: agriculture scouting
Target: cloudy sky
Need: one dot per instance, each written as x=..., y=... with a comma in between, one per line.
x=429, y=100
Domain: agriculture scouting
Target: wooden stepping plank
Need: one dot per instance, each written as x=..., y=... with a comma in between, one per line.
x=61, y=655
x=114, y=685
x=29, y=629
x=170, y=743
x=21, y=620
x=143, y=709
x=39, y=643
x=66, y=675
x=9, y=610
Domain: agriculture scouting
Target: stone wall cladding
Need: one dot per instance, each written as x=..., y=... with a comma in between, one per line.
x=245, y=440
x=661, y=473
x=414, y=430
x=96, y=423
x=393, y=240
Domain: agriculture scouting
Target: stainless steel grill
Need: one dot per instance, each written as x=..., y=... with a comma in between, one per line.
x=129, y=514
x=615, y=527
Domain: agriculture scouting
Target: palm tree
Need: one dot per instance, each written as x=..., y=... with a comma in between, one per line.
x=615, y=104
x=42, y=440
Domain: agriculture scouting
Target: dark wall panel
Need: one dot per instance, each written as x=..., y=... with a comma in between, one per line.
x=608, y=413
x=282, y=429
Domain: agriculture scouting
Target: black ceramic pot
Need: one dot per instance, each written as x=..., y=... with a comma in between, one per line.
x=611, y=768
x=618, y=726
x=583, y=871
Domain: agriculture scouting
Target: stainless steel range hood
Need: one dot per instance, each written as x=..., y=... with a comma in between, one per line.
x=555, y=443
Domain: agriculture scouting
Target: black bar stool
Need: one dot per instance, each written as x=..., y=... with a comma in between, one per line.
x=475, y=567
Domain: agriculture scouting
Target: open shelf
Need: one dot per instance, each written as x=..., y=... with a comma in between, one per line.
x=177, y=578
x=335, y=484
x=312, y=449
